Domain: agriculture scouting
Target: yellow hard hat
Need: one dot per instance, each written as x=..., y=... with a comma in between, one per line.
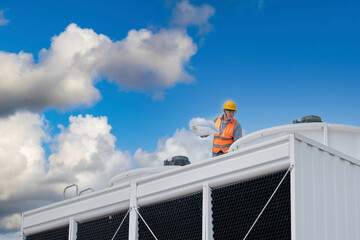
x=230, y=105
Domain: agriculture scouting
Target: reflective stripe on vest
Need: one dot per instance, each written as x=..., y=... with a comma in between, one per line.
x=223, y=142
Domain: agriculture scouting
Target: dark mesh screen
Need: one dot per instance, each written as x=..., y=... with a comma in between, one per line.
x=104, y=228
x=175, y=219
x=236, y=206
x=56, y=234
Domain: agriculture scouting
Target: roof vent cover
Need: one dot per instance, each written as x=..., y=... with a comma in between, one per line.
x=308, y=119
x=177, y=161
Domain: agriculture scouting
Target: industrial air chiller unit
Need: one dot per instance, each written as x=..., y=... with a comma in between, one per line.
x=290, y=182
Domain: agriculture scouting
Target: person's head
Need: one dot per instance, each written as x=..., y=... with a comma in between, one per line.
x=229, y=109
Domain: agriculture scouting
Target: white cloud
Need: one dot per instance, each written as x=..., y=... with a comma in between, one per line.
x=149, y=61
x=21, y=156
x=183, y=142
x=186, y=14
x=83, y=153
x=66, y=73
x=11, y=222
x=3, y=20
x=23, y=165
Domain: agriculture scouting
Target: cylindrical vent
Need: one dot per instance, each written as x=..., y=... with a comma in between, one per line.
x=308, y=119
x=177, y=161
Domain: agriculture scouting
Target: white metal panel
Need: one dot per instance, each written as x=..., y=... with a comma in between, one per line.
x=326, y=188
x=347, y=141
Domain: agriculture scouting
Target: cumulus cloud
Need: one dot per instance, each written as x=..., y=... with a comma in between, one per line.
x=183, y=142
x=21, y=156
x=23, y=164
x=66, y=73
x=83, y=153
x=3, y=20
x=149, y=61
x=186, y=14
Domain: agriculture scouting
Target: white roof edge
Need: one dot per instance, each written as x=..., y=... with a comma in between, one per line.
x=297, y=126
x=344, y=127
x=138, y=173
x=271, y=130
x=328, y=149
x=293, y=128
x=77, y=199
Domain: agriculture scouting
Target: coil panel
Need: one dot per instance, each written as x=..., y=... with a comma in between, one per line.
x=104, y=228
x=179, y=218
x=55, y=234
x=236, y=207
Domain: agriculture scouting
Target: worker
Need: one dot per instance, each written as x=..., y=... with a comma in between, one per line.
x=229, y=127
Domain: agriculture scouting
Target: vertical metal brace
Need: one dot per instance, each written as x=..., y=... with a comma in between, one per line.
x=207, y=227
x=133, y=220
x=23, y=237
x=293, y=157
x=326, y=135
x=72, y=229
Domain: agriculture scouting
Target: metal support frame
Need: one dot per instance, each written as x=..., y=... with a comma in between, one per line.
x=72, y=229
x=207, y=226
x=133, y=219
x=326, y=135
x=22, y=236
x=292, y=186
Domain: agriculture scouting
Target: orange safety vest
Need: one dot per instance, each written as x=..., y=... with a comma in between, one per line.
x=223, y=142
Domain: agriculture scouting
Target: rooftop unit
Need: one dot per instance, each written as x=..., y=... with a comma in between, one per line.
x=297, y=181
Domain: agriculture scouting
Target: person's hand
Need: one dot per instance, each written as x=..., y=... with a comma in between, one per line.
x=193, y=129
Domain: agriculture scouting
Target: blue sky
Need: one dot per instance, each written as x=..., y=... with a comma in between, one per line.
x=278, y=60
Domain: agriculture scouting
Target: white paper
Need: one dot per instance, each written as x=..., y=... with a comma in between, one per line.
x=203, y=128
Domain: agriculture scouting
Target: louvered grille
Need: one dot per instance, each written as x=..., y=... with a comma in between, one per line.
x=104, y=228
x=236, y=206
x=55, y=234
x=175, y=219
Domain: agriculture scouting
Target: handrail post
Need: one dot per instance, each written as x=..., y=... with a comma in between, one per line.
x=72, y=185
x=86, y=190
